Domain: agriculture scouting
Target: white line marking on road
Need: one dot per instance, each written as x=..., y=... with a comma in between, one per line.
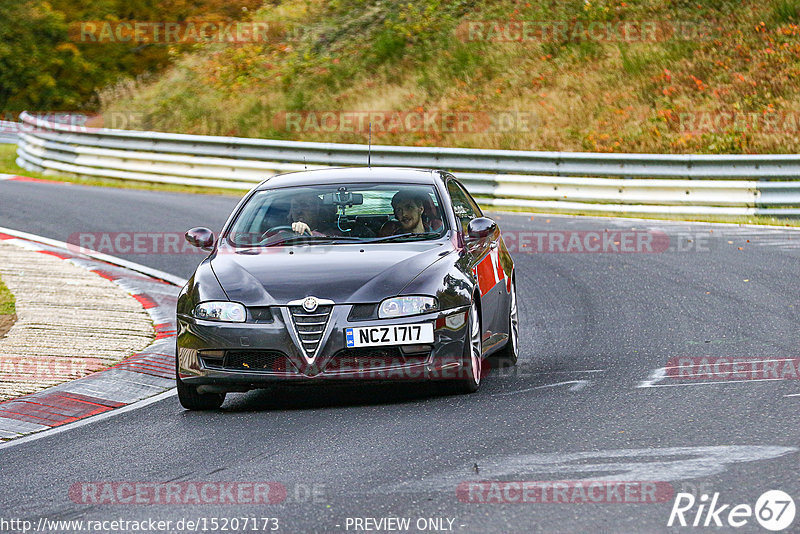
x=716, y=382
x=793, y=395
x=650, y=384
x=617, y=465
x=513, y=372
x=89, y=420
x=656, y=376
x=579, y=385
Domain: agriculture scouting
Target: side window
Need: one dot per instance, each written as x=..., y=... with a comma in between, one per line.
x=464, y=208
x=475, y=207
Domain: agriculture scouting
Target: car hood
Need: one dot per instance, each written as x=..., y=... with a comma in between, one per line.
x=346, y=273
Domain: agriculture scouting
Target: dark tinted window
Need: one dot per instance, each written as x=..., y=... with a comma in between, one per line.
x=463, y=205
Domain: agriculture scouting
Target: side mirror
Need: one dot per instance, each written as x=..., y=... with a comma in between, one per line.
x=481, y=228
x=200, y=237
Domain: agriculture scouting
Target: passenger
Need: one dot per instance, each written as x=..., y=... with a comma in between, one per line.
x=307, y=216
x=410, y=216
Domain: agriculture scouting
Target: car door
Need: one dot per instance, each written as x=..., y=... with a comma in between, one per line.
x=482, y=258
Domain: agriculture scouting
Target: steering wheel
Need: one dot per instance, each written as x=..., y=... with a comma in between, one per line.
x=275, y=230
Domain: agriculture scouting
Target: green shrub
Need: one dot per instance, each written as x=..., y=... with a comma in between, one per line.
x=786, y=11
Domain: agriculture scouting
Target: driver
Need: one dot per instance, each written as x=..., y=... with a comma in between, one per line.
x=306, y=215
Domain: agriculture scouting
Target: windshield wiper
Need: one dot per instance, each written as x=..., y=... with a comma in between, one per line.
x=404, y=237
x=301, y=239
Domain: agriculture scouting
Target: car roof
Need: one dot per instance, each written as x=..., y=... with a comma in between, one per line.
x=352, y=174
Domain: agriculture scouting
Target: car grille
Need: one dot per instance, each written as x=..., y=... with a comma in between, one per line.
x=310, y=326
x=254, y=360
x=366, y=359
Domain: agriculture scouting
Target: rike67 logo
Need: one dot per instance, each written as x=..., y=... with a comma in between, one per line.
x=774, y=510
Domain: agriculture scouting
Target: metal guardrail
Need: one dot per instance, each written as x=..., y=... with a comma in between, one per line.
x=8, y=132
x=579, y=182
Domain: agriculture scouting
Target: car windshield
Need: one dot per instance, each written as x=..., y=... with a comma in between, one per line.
x=339, y=213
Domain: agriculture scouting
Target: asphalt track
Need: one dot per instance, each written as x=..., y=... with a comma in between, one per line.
x=586, y=400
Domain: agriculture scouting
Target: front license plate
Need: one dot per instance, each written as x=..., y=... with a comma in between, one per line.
x=375, y=336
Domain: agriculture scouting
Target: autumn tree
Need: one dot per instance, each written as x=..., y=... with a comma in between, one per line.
x=43, y=67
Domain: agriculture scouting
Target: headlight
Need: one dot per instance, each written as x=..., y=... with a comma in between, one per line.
x=402, y=306
x=232, y=312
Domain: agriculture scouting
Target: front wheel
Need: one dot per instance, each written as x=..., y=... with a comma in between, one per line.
x=507, y=357
x=192, y=400
x=469, y=378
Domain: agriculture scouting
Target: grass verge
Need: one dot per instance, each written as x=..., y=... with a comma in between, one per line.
x=7, y=309
x=6, y=300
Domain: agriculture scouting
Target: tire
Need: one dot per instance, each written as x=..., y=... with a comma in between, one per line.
x=192, y=400
x=507, y=356
x=469, y=379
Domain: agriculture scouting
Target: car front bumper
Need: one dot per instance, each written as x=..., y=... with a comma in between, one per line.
x=218, y=356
